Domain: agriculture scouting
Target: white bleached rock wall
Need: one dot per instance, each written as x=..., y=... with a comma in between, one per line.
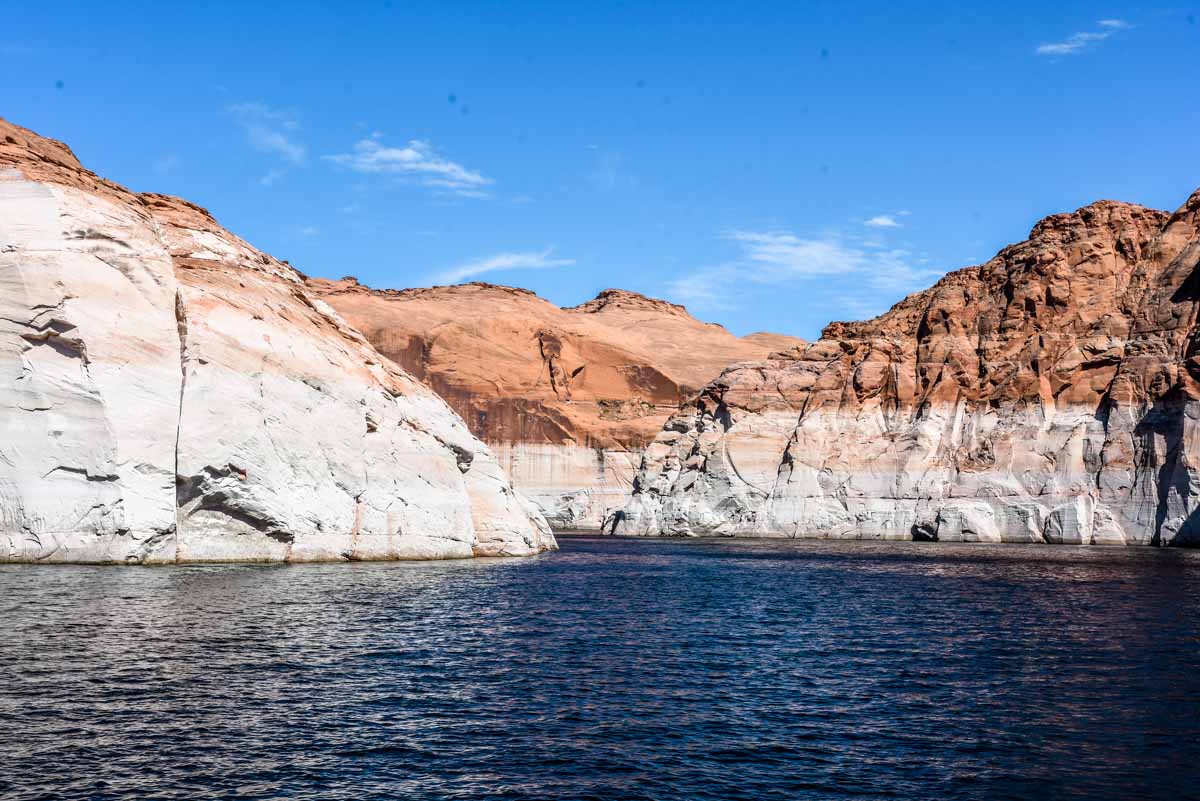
x=172, y=394
x=89, y=394
x=576, y=487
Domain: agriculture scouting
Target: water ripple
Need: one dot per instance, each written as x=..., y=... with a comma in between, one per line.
x=613, y=669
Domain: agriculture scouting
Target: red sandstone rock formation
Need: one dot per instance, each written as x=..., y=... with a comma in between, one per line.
x=1050, y=394
x=567, y=398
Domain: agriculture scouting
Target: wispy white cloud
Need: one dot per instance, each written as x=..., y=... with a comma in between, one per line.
x=882, y=221
x=1084, y=40
x=418, y=161
x=307, y=231
x=270, y=178
x=707, y=289
x=270, y=130
x=527, y=260
x=875, y=276
x=1075, y=43
x=777, y=256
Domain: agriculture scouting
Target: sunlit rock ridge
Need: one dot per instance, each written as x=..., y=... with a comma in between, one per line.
x=567, y=398
x=171, y=394
x=1049, y=395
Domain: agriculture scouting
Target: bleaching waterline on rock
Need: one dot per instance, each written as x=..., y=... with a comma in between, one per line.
x=568, y=398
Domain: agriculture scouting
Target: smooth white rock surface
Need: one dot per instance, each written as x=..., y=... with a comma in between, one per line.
x=89, y=379
x=576, y=488
x=206, y=409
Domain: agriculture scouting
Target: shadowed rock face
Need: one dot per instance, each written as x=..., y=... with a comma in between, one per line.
x=566, y=398
x=171, y=394
x=1048, y=395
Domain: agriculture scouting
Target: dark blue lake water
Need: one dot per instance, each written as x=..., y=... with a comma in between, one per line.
x=614, y=669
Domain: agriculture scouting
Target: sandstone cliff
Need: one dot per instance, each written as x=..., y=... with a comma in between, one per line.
x=171, y=394
x=1050, y=394
x=566, y=398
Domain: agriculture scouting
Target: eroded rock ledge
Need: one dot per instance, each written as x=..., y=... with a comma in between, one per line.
x=1049, y=395
x=174, y=395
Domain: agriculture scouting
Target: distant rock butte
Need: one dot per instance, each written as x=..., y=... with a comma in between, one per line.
x=171, y=394
x=567, y=398
x=1049, y=395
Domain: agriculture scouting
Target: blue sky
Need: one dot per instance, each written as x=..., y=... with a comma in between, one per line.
x=774, y=166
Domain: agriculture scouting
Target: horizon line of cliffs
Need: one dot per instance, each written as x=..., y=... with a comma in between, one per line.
x=171, y=394
x=1051, y=395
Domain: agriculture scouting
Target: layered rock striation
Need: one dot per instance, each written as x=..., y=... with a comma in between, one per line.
x=566, y=398
x=171, y=394
x=1049, y=395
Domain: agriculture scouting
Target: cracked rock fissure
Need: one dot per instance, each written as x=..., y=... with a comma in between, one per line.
x=181, y=330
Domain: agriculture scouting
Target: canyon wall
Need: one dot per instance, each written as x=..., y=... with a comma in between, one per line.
x=1049, y=395
x=171, y=394
x=565, y=398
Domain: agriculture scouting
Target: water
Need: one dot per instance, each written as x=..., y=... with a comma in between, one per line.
x=614, y=669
